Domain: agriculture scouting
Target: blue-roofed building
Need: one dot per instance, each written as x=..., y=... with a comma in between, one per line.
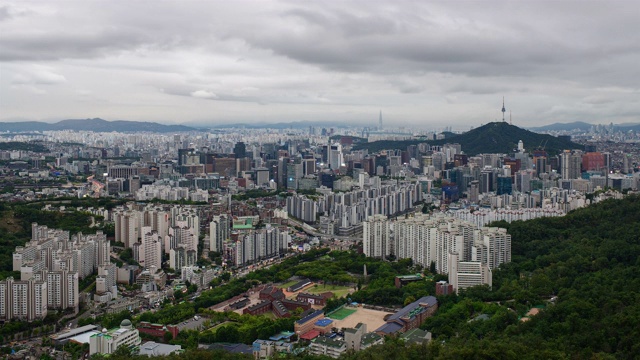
x=410, y=316
x=323, y=325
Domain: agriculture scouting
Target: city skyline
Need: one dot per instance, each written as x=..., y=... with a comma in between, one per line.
x=421, y=64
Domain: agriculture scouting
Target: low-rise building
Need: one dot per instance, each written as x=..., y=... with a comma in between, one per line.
x=266, y=349
x=151, y=348
x=323, y=325
x=299, y=285
x=158, y=330
x=107, y=341
x=307, y=323
x=402, y=280
x=259, y=308
x=410, y=316
x=313, y=299
x=416, y=336
x=122, y=304
x=370, y=339
x=323, y=345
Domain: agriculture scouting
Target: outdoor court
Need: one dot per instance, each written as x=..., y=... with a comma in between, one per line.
x=372, y=318
x=341, y=313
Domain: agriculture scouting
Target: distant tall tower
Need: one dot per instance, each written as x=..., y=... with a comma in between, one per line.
x=503, y=109
x=380, y=121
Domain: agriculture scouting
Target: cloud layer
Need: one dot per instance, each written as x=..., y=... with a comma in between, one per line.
x=424, y=64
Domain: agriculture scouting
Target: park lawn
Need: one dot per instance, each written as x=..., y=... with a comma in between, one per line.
x=337, y=290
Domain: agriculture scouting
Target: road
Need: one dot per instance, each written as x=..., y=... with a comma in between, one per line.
x=322, y=235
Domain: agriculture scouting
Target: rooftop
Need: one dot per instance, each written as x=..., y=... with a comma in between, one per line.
x=416, y=336
x=152, y=348
x=330, y=342
x=410, y=277
x=84, y=337
x=370, y=338
x=389, y=328
x=414, y=308
x=310, y=317
x=300, y=284
x=71, y=333
x=310, y=335
x=282, y=335
x=324, y=322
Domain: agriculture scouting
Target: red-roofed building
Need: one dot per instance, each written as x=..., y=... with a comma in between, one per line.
x=271, y=293
x=310, y=335
x=158, y=330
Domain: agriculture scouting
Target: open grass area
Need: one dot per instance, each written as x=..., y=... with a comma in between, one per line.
x=288, y=283
x=337, y=290
x=341, y=313
x=215, y=328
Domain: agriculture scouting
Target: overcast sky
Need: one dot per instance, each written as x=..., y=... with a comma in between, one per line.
x=423, y=64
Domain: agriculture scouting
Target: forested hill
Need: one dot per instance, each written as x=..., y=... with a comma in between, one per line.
x=589, y=260
x=583, y=270
x=495, y=137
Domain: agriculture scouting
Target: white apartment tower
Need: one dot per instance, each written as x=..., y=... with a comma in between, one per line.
x=127, y=228
x=151, y=249
x=376, y=239
x=62, y=289
x=23, y=300
x=219, y=231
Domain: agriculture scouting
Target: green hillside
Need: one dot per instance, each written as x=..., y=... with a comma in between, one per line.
x=495, y=137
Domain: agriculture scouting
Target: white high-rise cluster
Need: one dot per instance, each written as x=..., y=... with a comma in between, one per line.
x=428, y=239
x=154, y=230
x=60, y=261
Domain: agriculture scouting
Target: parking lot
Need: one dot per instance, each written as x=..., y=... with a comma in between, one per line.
x=191, y=324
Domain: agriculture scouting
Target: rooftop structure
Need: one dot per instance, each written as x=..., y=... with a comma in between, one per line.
x=299, y=285
x=416, y=336
x=410, y=316
x=151, y=348
x=66, y=335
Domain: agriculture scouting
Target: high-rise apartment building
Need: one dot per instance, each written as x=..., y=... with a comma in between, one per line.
x=376, y=237
x=23, y=300
x=151, y=254
x=127, y=228
x=219, y=231
x=62, y=289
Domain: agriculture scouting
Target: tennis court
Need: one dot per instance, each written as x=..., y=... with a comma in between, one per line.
x=341, y=313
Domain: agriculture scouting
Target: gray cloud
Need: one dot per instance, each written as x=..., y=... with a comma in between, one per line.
x=554, y=61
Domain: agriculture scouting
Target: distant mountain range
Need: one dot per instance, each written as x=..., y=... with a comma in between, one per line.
x=286, y=125
x=495, y=137
x=583, y=126
x=96, y=124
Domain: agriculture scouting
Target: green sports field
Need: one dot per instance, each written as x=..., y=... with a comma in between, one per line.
x=337, y=290
x=341, y=313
